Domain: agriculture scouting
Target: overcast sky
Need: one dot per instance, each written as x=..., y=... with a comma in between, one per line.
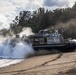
x=10, y=8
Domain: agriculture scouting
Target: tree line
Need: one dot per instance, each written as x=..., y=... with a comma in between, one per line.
x=42, y=19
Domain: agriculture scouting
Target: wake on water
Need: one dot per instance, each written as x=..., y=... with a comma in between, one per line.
x=15, y=52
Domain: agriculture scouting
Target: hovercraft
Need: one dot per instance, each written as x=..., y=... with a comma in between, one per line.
x=45, y=39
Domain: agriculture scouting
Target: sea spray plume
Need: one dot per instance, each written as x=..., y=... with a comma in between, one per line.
x=2, y=38
x=2, y=46
x=26, y=31
x=15, y=49
x=22, y=50
x=15, y=46
x=1, y=49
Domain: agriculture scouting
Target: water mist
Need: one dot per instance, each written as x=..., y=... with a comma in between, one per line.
x=14, y=50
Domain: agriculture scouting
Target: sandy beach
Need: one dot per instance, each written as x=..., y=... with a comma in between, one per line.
x=52, y=64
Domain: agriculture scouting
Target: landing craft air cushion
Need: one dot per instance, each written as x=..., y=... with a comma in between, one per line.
x=47, y=40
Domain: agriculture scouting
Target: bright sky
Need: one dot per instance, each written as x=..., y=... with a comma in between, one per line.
x=10, y=8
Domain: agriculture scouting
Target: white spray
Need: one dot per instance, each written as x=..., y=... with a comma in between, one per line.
x=15, y=51
x=26, y=31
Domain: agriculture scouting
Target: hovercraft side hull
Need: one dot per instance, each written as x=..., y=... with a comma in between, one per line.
x=61, y=46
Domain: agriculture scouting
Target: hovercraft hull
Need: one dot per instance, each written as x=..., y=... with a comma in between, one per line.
x=60, y=46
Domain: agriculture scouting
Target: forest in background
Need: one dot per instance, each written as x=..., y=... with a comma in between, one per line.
x=63, y=19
